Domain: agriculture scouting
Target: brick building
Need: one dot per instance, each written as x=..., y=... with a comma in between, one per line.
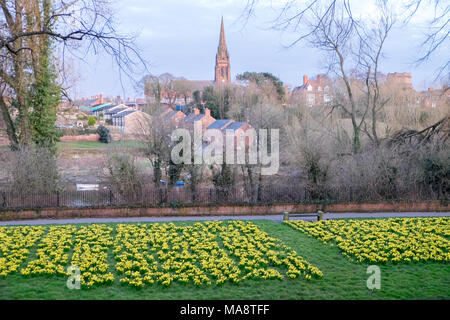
x=132, y=122
x=435, y=98
x=313, y=92
x=175, y=117
x=400, y=80
x=205, y=118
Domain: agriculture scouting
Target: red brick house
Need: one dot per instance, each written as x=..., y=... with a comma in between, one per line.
x=240, y=129
x=313, y=92
x=205, y=118
x=435, y=98
x=175, y=117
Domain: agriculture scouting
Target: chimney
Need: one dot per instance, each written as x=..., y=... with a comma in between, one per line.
x=196, y=111
x=305, y=80
x=319, y=78
x=207, y=112
x=101, y=97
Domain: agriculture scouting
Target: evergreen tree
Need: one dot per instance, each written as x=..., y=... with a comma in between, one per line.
x=105, y=134
x=260, y=78
x=45, y=97
x=217, y=99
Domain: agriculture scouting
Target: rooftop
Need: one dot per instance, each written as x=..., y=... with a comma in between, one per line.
x=235, y=126
x=219, y=124
x=189, y=117
x=100, y=107
x=171, y=114
x=198, y=117
x=114, y=111
x=124, y=114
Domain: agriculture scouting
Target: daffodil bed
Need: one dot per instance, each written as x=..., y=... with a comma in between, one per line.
x=395, y=240
x=139, y=255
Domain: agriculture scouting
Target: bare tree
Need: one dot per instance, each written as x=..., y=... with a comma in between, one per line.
x=33, y=170
x=356, y=45
x=125, y=178
x=370, y=52
x=158, y=147
x=262, y=113
x=26, y=29
x=354, y=51
x=157, y=88
x=183, y=88
x=439, y=29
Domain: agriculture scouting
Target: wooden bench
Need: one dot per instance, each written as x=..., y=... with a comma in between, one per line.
x=288, y=215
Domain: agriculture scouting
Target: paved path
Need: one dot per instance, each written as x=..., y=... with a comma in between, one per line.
x=276, y=218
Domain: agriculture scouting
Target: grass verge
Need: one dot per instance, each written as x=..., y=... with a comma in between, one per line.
x=342, y=280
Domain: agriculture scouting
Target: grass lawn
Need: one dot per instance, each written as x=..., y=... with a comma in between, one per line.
x=342, y=279
x=98, y=145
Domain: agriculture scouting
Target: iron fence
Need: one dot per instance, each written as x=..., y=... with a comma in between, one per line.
x=208, y=196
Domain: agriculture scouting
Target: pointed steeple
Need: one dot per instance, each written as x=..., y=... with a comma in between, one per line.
x=222, y=59
x=222, y=42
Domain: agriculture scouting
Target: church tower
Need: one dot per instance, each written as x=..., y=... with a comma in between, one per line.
x=223, y=70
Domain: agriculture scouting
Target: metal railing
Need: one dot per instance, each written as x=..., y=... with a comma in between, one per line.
x=177, y=197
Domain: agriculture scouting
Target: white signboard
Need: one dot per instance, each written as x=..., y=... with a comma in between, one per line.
x=87, y=187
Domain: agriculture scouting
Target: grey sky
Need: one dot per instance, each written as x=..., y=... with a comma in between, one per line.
x=181, y=37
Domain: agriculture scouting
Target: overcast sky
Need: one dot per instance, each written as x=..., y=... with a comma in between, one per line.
x=181, y=37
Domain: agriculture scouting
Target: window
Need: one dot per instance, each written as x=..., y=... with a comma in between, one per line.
x=311, y=99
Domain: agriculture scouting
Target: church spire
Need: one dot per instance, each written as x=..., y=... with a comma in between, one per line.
x=222, y=42
x=223, y=70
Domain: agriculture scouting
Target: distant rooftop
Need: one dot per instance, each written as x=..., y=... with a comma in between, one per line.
x=171, y=114
x=100, y=107
x=117, y=110
x=219, y=124
x=235, y=126
x=189, y=117
x=124, y=114
x=198, y=117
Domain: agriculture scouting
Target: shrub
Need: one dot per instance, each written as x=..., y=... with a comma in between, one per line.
x=92, y=121
x=34, y=170
x=105, y=134
x=125, y=177
x=436, y=172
